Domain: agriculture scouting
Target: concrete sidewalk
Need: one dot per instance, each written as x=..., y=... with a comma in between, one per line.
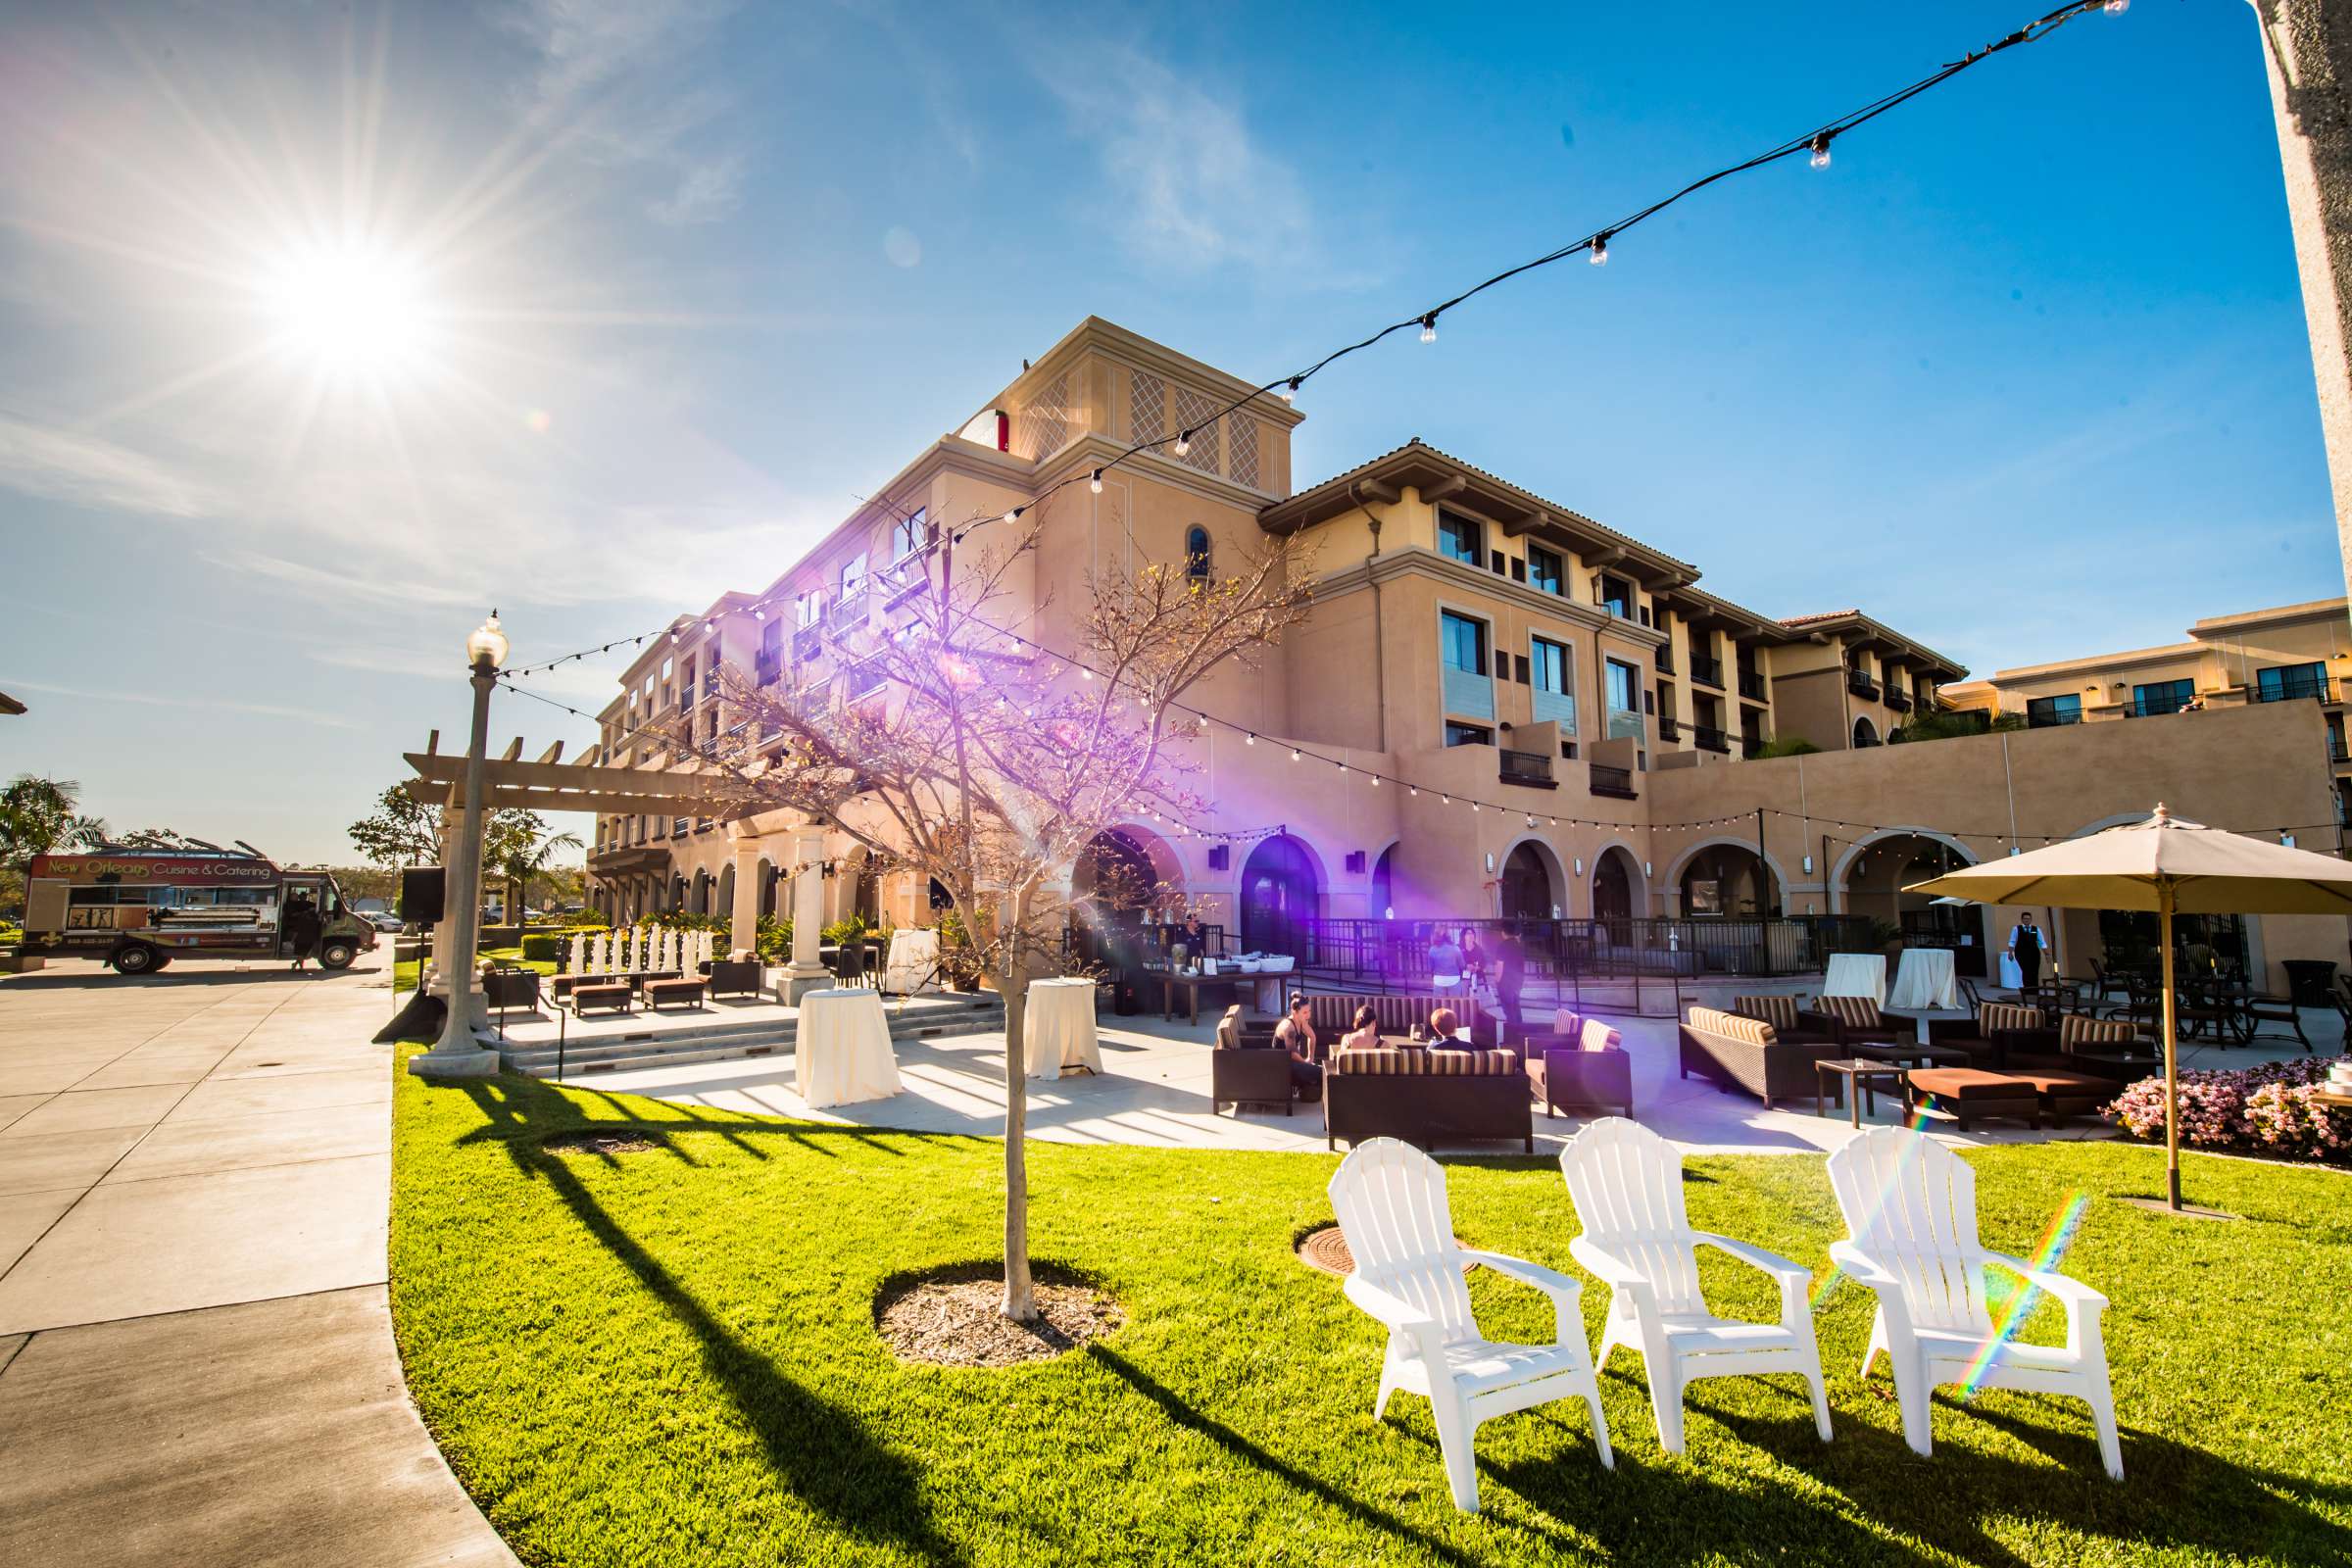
x=196, y=1358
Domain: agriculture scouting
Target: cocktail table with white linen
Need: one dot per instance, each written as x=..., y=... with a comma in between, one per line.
x=1924, y=979
x=1059, y=1028
x=913, y=962
x=840, y=1053
x=1856, y=974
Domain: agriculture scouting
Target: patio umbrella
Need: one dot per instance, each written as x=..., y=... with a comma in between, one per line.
x=2172, y=867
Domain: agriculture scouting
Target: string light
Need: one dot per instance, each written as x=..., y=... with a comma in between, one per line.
x=1821, y=149
x=1290, y=393
x=1184, y=442
x=1094, y=482
x=1429, y=327
x=1600, y=249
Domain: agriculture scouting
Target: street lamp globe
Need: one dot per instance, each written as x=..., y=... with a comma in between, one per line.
x=487, y=644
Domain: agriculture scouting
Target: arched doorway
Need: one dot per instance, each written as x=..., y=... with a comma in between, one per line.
x=1383, y=884
x=1615, y=879
x=1279, y=897
x=1728, y=879
x=1877, y=870
x=1121, y=891
x=1866, y=734
x=1529, y=888
x=767, y=889
x=726, y=893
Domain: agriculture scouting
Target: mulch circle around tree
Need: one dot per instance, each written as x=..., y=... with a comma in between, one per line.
x=951, y=1317
x=620, y=1141
x=1326, y=1249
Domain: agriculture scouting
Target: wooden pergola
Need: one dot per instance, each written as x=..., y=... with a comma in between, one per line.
x=553, y=785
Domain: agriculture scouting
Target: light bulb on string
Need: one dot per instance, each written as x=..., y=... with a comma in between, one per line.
x=1014, y=515
x=1095, y=483
x=1250, y=740
x=1184, y=442
x=1290, y=394
x=1600, y=250
x=1821, y=150
x=1429, y=327
x=1293, y=754
x=2116, y=8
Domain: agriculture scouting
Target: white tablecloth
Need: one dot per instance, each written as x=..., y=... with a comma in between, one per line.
x=842, y=1052
x=1857, y=974
x=1059, y=1028
x=913, y=962
x=1925, y=980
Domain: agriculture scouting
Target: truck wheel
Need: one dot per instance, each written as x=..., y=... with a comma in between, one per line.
x=136, y=958
x=337, y=953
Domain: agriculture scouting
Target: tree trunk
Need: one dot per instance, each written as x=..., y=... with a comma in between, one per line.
x=1013, y=980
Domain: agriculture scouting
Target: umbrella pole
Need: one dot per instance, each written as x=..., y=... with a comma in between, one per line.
x=2172, y=1069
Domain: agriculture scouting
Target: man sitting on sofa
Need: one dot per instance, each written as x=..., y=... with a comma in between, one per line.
x=1295, y=1034
x=1446, y=1031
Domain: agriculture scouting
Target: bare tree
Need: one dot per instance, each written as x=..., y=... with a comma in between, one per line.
x=947, y=741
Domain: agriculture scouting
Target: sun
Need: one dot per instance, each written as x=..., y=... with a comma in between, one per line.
x=351, y=310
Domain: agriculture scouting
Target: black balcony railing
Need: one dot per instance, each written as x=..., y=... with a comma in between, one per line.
x=1751, y=686
x=1528, y=768
x=1617, y=783
x=1665, y=658
x=1860, y=684
x=2293, y=687
x=1669, y=728
x=768, y=668
x=806, y=644
x=1898, y=699
x=2337, y=752
x=1710, y=740
x=1706, y=671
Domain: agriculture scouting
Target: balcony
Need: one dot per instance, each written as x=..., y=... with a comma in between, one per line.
x=1861, y=685
x=1617, y=783
x=2337, y=752
x=1898, y=699
x=1665, y=658
x=1469, y=693
x=2052, y=718
x=1555, y=708
x=1531, y=768
x=806, y=644
x=2316, y=687
x=768, y=668
x=1669, y=728
x=1706, y=671
x=1751, y=686
x=1711, y=740
x=2155, y=707
x=1624, y=725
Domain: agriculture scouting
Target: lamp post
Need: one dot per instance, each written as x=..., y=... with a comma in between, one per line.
x=458, y=1055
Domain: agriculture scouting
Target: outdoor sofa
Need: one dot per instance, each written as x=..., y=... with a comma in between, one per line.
x=2107, y=1049
x=1244, y=1068
x=1427, y=1097
x=1988, y=1036
x=1582, y=1063
x=1747, y=1054
x=1333, y=1015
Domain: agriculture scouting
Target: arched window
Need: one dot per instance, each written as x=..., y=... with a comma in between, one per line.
x=1865, y=733
x=1196, y=554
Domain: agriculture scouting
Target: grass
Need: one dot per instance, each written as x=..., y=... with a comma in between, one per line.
x=403, y=972
x=668, y=1358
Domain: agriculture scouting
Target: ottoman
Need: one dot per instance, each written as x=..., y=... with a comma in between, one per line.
x=615, y=996
x=659, y=991
x=1970, y=1093
x=2068, y=1094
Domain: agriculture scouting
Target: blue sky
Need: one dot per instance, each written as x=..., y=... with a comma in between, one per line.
x=2023, y=373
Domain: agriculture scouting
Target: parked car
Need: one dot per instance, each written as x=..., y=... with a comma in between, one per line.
x=382, y=921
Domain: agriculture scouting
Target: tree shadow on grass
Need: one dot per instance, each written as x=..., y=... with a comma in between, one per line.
x=820, y=1453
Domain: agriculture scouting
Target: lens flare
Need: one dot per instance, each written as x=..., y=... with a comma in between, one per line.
x=349, y=309
x=2064, y=1226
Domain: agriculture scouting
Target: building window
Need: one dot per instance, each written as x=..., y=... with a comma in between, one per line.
x=1458, y=540
x=1614, y=594
x=1196, y=554
x=852, y=572
x=1543, y=569
x=808, y=607
x=1462, y=651
x=1465, y=642
x=2280, y=682
x=2162, y=697
x=910, y=533
x=1624, y=691
x=1553, y=699
x=1468, y=735
x=2045, y=712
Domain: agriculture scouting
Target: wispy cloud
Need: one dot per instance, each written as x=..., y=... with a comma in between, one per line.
x=615, y=80
x=1196, y=188
x=179, y=700
x=341, y=585
x=61, y=465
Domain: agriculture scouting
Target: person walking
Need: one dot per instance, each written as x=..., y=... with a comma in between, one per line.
x=1511, y=977
x=301, y=931
x=2025, y=945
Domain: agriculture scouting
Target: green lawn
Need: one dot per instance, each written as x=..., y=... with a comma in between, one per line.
x=403, y=972
x=668, y=1358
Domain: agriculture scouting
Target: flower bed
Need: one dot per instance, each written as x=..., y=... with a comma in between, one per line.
x=2263, y=1110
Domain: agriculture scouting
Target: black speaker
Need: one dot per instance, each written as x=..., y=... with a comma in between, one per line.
x=423, y=892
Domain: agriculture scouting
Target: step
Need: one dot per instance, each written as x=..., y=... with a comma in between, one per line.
x=719, y=1041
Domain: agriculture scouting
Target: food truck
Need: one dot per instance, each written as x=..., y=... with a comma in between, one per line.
x=138, y=909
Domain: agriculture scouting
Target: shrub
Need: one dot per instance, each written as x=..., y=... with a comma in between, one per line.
x=544, y=947
x=587, y=921
x=847, y=928
x=775, y=940
x=2265, y=1109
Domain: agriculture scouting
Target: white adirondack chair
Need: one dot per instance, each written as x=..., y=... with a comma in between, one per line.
x=1390, y=1199
x=1627, y=1184
x=1911, y=1205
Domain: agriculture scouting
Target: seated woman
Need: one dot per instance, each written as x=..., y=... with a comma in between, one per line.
x=1295, y=1034
x=1364, y=1033
x=1446, y=1031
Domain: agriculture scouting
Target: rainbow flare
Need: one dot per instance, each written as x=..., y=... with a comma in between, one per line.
x=2064, y=1226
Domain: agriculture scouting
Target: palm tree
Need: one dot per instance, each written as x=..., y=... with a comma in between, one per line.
x=524, y=862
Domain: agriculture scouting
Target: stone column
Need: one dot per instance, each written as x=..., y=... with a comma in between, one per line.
x=431, y=976
x=805, y=973
x=744, y=937
x=2307, y=54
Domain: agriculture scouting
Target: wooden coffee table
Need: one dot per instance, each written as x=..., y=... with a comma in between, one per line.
x=1914, y=1056
x=1859, y=1080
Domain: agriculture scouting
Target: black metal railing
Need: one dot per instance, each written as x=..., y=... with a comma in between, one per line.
x=1527, y=767
x=2337, y=751
x=1615, y=782
x=2052, y=718
x=768, y=668
x=2294, y=687
x=808, y=643
x=1898, y=699
x=1751, y=686
x=1665, y=658
x=2156, y=706
x=1669, y=728
x=1706, y=671
x=1860, y=684
x=1710, y=740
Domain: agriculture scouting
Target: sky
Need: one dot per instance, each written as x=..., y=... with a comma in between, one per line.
x=327, y=328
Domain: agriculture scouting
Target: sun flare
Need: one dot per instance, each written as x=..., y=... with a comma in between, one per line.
x=351, y=310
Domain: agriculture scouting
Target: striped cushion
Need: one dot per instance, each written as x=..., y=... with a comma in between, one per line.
x=2078, y=1033
x=1426, y=1063
x=1754, y=1031
x=1855, y=1012
x=1778, y=1012
x=1335, y=1014
x=1564, y=1022
x=1992, y=1016
x=1599, y=1036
